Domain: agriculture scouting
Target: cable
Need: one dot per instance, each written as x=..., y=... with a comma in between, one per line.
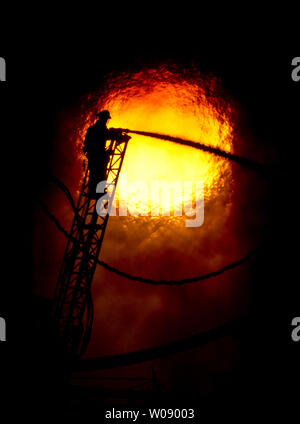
x=180, y=281
x=65, y=189
x=55, y=220
x=148, y=354
x=148, y=280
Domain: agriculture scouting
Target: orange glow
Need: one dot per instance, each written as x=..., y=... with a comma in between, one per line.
x=165, y=102
x=129, y=315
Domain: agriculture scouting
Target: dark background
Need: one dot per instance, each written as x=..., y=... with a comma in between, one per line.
x=48, y=74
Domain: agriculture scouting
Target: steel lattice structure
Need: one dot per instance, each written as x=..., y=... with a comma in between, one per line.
x=72, y=305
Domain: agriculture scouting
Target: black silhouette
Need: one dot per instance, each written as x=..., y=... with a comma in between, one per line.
x=94, y=148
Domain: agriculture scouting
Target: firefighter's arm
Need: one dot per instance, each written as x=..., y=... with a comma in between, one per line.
x=119, y=134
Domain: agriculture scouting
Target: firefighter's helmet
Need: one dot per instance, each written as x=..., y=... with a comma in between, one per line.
x=104, y=114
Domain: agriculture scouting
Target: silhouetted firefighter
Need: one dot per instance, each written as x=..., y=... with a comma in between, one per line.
x=95, y=147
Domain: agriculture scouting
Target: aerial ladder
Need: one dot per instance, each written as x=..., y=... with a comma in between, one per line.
x=72, y=309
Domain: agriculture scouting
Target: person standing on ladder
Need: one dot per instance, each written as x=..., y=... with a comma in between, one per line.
x=95, y=148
